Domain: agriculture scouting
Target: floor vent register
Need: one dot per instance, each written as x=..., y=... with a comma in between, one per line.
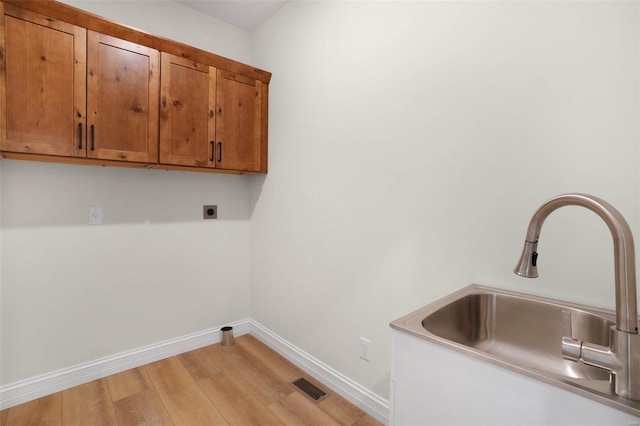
x=310, y=389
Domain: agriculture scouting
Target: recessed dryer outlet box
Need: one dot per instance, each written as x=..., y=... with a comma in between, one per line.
x=210, y=212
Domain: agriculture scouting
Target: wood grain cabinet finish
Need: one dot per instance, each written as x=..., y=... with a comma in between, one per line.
x=209, y=117
x=122, y=84
x=238, y=122
x=42, y=84
x=76, y=88
x=55, y=72
x=187, y=121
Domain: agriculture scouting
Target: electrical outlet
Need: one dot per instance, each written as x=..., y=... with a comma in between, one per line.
x=364, y=348
x=95, y=215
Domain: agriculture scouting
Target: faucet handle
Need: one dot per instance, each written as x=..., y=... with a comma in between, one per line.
x=571, y=347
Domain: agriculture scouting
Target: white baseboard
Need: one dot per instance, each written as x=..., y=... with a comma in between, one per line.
x=46, y=384
x=374, y=405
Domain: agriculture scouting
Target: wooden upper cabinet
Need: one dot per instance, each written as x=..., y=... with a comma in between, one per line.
x=55, y=72
x=122, y=99
x=42, y=84
x=187, y=120
x=78, y=88
x=238, y=122
x=208, y=117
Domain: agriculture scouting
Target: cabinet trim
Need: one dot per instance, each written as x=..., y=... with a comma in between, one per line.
x=264, y=132
x=3, y=79
x=95, y=162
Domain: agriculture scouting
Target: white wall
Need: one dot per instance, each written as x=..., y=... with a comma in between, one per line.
x=410, y=143
x=154, y=270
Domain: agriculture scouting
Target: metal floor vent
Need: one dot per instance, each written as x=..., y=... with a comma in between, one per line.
x=310, y=389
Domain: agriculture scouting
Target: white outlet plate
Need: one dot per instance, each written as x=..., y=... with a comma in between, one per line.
x=95, y=215
x=364, y=348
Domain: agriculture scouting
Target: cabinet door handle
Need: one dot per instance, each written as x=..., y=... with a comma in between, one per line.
x=219, y=151
x=213, y=150
x=79, y=135
x=93, y=137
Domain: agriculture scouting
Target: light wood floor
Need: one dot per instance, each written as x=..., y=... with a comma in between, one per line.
x=243, y=384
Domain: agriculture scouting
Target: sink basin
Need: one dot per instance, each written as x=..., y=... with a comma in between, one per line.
x=519, y=330
x=522, y=333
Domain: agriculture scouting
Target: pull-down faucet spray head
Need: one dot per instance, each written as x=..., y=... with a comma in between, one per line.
x=527, y=265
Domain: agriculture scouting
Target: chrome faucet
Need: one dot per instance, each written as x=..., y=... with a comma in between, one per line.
x=622, y=356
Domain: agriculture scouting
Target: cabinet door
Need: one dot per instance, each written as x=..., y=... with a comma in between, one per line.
x=42, y=84
x=122, y=100
x=187, y=121
x=238, y=122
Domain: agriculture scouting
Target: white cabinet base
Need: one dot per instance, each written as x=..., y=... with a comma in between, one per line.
x=433, y=385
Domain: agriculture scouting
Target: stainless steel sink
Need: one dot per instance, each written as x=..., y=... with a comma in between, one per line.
x=519, y=330
x=522, y=333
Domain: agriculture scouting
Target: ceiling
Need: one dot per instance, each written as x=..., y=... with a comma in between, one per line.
x=247, y=14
